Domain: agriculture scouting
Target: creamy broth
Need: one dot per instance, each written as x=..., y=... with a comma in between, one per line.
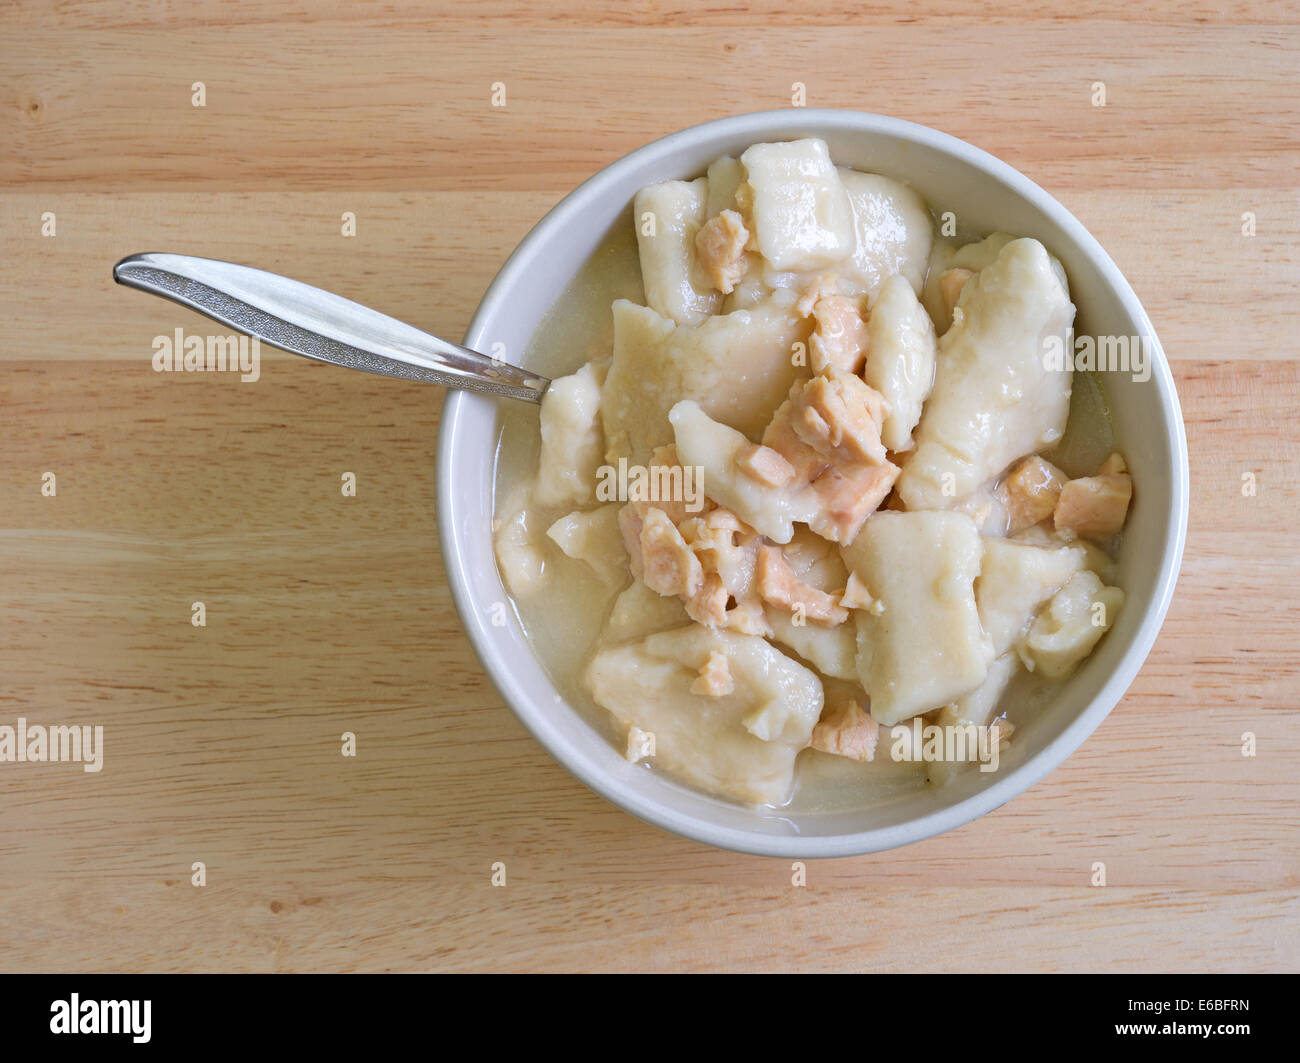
x=564, y=620
x=563, y=624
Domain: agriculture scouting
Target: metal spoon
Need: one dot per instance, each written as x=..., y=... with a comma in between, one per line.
x=296, y=317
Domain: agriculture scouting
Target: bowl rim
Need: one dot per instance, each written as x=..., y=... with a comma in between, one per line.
x=534, y=717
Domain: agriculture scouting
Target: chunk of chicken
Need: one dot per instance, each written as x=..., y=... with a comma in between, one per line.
x=726, y=547
x=831, y=649
x=822, y=286
x=708, y=606
x=1094, y=507
x=764, y=465
x=669, y=566
x=1029, y=493
x=747, y=618
x=847, y=731
x=707, y=561
x=778, y=585
x=1113, y=465
x=848, y=498
x=839, y=340
x=830, y=431
x=715, y=676
x=857, y=596
x=640, y=745
x=839, y=416
x=720, y=245
x=827, y=430
x=780, y=436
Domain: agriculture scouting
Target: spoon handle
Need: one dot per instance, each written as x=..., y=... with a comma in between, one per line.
x=317, y=324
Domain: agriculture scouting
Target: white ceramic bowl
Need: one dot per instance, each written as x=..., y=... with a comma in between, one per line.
x=986, y=195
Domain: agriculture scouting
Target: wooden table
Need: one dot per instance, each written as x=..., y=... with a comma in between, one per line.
x=327, y=614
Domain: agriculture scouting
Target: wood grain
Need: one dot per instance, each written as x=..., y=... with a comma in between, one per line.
x=410, y=259
x=329, y=614
x=343, y=105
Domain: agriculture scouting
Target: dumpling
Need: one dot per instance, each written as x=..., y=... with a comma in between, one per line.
x=572, y=443
x=892, y=233
x=741, y=744
x=1095, y=559
x=668, y=216
x=1015, y=579
x=926, y=646
x=739, y=367
x=932, y=295
x=725, y=175
x=594, y=537
x=995, y=397
x=976, y=256
x=900, y=359
x=520, y=556
x=1072, y=624
x=638, y=611
x=975, y=709
x=801, y=214
x=831, y=648
x=713, y=447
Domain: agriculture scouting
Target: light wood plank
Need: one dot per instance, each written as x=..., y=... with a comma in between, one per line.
x=366, y=105
x=427, y=258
